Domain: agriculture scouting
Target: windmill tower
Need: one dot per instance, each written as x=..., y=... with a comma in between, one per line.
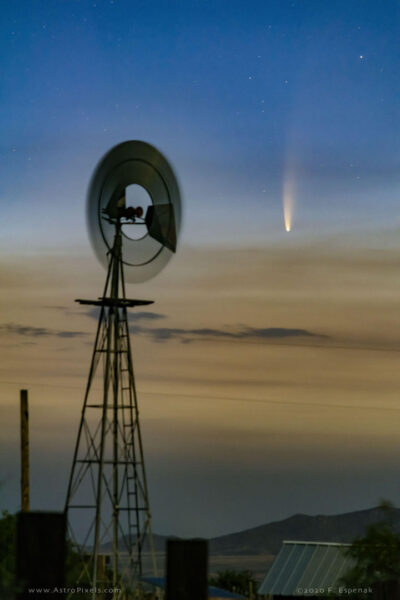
x=107, y=501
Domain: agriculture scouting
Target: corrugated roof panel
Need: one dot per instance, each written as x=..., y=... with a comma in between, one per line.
x=287, y=571
x=333, y=568
x=275, y=571
x=327, y=556
x=302, y=566
x=310, y=571
x=304, y=555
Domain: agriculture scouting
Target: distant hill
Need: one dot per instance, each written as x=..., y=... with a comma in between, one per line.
x=267, y=539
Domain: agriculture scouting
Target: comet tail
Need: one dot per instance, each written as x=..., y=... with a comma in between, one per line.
x=288, y=203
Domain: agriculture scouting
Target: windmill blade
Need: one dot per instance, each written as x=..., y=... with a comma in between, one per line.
x=160, y=222
x=147, y=244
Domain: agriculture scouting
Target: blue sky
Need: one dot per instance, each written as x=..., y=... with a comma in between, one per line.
x=234, y=93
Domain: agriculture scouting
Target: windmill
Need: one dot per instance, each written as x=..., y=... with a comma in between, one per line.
x=107, y=499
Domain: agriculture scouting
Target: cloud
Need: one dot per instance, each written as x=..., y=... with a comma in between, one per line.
x=145, y=316
x=132, y=317
x=67, y=334
x=56, y=307
x=161, y=334
x=31, y=331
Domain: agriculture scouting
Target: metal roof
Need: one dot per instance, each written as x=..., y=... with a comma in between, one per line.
x=213, y=592
x=302, y=567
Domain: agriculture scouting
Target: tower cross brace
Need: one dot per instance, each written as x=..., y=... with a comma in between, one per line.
x=107, y=499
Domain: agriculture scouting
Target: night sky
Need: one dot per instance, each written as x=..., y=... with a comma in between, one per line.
x=289, y=402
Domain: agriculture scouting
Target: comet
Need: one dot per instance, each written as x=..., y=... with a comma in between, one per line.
x=288, y=203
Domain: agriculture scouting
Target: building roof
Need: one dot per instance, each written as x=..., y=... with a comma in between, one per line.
x=302, y=566
x=213, y=592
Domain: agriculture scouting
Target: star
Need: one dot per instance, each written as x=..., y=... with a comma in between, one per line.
x=361, y=56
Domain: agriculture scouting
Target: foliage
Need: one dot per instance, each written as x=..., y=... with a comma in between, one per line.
x=235, y=581
x=8, y=528
x=376, y=554
x=73, y=567
x=78, y=572
x=8, y=548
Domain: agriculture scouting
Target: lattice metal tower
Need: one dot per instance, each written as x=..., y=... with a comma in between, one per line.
x=107, y=500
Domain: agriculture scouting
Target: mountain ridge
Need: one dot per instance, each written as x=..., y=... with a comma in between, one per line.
x=268, y=538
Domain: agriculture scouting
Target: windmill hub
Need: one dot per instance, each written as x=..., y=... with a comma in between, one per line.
x=128, y=214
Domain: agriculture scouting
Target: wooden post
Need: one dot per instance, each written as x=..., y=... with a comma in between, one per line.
x=24, y=451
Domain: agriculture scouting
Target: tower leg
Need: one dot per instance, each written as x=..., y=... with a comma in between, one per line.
x=107, y=501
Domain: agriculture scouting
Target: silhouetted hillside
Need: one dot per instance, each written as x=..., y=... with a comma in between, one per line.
x=267, y=539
